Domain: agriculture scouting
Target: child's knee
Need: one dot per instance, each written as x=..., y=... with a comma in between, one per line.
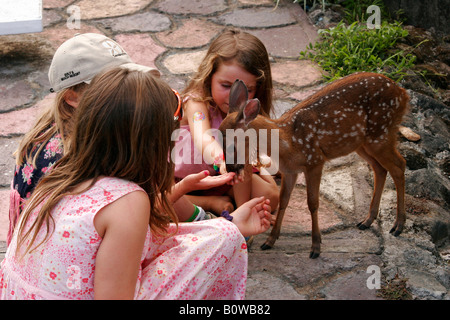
x=274, y=196
x=272, y=192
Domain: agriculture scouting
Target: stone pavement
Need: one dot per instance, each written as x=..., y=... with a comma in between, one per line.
x=173, y=35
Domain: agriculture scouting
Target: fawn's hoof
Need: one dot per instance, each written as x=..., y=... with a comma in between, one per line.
x=362, y=226
x=266, y=247
x=397, y=228
x=395, y=232
x=315, y=250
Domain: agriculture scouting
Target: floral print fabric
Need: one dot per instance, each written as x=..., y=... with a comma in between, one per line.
x=202, y=260
x=27, y=176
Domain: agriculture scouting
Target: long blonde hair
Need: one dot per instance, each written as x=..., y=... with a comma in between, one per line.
x=245, y=49
x=123, y=128
x=56, y=118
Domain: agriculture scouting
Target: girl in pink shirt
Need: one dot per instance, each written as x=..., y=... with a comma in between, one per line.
x=233, y=55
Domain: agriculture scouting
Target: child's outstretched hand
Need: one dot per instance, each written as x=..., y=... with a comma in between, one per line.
x=253, y=217
x=203, y=181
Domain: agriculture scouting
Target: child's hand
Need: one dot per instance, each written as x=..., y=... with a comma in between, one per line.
x=253, y=217
x=203, y=181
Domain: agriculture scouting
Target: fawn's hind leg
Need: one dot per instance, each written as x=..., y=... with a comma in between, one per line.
x=389, y=157
x=379, y=180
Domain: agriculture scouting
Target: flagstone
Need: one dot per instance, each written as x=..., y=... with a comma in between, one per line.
x=184, y=63
x=190, y=33
x=50, y=17
x=46, y=4
x=59, y=34
x=300, y=73
x=285, y=42
x=15, y=94
x=141, y=48
x=297, y=217
x=94, y=9
x=305, y=93
x=7, y=161
x=199, y=7
x=142, y=22
x=257, y=17
x=21, y=121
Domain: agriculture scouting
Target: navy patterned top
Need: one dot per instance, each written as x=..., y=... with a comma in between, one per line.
x=27, y=176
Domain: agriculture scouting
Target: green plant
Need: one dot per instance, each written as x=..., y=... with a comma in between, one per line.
x=343, y=50
x=356, y=10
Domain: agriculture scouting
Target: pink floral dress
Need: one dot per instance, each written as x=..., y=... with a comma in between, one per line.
x=203, y=260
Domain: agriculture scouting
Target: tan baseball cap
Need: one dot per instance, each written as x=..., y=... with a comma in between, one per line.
x=80, y=58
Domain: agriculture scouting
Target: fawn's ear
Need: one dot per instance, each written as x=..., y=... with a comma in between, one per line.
x=238, y=96
x=251, y=111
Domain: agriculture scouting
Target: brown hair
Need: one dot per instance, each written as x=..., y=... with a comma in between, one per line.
x=245, y=49
x=123, y=129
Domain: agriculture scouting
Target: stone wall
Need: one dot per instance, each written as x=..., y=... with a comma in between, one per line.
x=424, y=14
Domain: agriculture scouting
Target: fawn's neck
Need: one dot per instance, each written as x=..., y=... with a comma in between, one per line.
x=274, y=128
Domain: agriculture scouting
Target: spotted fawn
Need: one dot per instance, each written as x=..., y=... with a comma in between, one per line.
x=358, y=113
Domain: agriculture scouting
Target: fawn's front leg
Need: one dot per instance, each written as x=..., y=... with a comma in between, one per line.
x=287, y=185
x=312, y=177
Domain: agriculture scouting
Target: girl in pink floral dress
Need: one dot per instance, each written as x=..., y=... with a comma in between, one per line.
x=100, y=224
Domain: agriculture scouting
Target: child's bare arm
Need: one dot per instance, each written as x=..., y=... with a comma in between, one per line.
x=123, y=226
x=197, y=115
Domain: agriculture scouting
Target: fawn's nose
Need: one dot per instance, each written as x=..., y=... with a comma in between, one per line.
x=234, y=168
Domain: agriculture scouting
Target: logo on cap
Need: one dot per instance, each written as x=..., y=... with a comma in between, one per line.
x=114, y=48
x=70, y=74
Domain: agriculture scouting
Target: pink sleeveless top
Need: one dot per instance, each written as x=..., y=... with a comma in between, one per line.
x=63, y=267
